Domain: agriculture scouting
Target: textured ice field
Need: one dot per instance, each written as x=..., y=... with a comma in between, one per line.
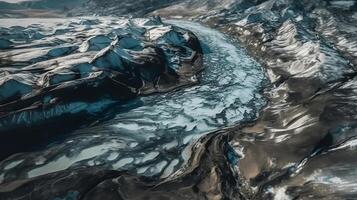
x=149, y=135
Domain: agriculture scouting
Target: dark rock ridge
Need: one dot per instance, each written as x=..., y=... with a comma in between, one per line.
x=53, y=76
x=208, y=174
x=302, y=147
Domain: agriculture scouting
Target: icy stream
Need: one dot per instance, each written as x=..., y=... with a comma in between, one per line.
x=151, y=135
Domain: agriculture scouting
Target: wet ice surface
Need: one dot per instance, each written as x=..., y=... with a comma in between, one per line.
x=302, y=147
x=150, y=134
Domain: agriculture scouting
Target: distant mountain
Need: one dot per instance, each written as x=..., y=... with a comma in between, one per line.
x=42, y=4
x=122, y=7
x=142, y=7
x=90, y=7
x=10, y=6
x=116, y=7
x=194, y=7
x=52, y=4
x=209, y=4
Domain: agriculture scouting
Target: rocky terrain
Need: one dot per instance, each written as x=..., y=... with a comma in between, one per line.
x=300, y=145
x=76, y=70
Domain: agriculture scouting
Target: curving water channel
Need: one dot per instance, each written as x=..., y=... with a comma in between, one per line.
x=149, y=136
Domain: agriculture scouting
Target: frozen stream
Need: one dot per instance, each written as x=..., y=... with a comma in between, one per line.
x=150, y=136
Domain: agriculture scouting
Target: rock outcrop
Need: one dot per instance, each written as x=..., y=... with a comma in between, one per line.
x=51, y=76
